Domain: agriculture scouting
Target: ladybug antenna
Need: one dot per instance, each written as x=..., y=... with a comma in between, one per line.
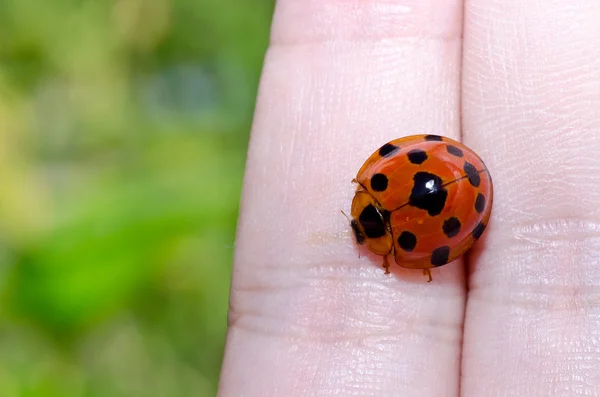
x=347, y=217
x=350, y=220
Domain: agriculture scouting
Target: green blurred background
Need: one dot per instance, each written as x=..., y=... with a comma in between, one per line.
x=123, y=134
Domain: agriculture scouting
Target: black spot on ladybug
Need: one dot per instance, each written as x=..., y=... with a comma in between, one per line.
x=417, y=156
x=407, y=241
x=453, y=150
x=451, y=227
x=388, y=149
x=439, y=256
x=479, y=229
x=379, y=182
x=433, y=138
x=372, y=222
x=480, y=203
x=386, y=216
x=472, y=174
x=428, y=193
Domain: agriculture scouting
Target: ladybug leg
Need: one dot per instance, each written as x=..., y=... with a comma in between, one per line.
x=427, y=272
x=386, y=264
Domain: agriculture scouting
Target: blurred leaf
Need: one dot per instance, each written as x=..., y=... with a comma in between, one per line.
x=123, y=135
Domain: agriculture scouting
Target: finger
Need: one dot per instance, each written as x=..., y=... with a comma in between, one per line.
x=531, y=97
x=308, y=317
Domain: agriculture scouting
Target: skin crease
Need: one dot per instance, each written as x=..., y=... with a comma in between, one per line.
x=308, y=316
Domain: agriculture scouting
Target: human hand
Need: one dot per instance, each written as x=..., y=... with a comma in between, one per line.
x=518, y=82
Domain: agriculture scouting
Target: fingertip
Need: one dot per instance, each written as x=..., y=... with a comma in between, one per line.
x=355, y=20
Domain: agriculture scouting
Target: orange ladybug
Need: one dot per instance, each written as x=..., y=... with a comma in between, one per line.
x=425, y=199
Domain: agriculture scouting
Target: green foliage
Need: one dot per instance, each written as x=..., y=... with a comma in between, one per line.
x=123, y=130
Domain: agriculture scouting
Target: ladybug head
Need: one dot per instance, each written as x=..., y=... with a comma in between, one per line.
x=370, y=224
x=358, y=234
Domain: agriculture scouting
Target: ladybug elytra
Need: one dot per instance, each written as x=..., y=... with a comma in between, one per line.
x=425, y=199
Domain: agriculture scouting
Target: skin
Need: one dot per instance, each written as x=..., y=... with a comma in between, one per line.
x=518, y=82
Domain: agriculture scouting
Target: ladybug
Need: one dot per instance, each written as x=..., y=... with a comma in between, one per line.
x=425, y=199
